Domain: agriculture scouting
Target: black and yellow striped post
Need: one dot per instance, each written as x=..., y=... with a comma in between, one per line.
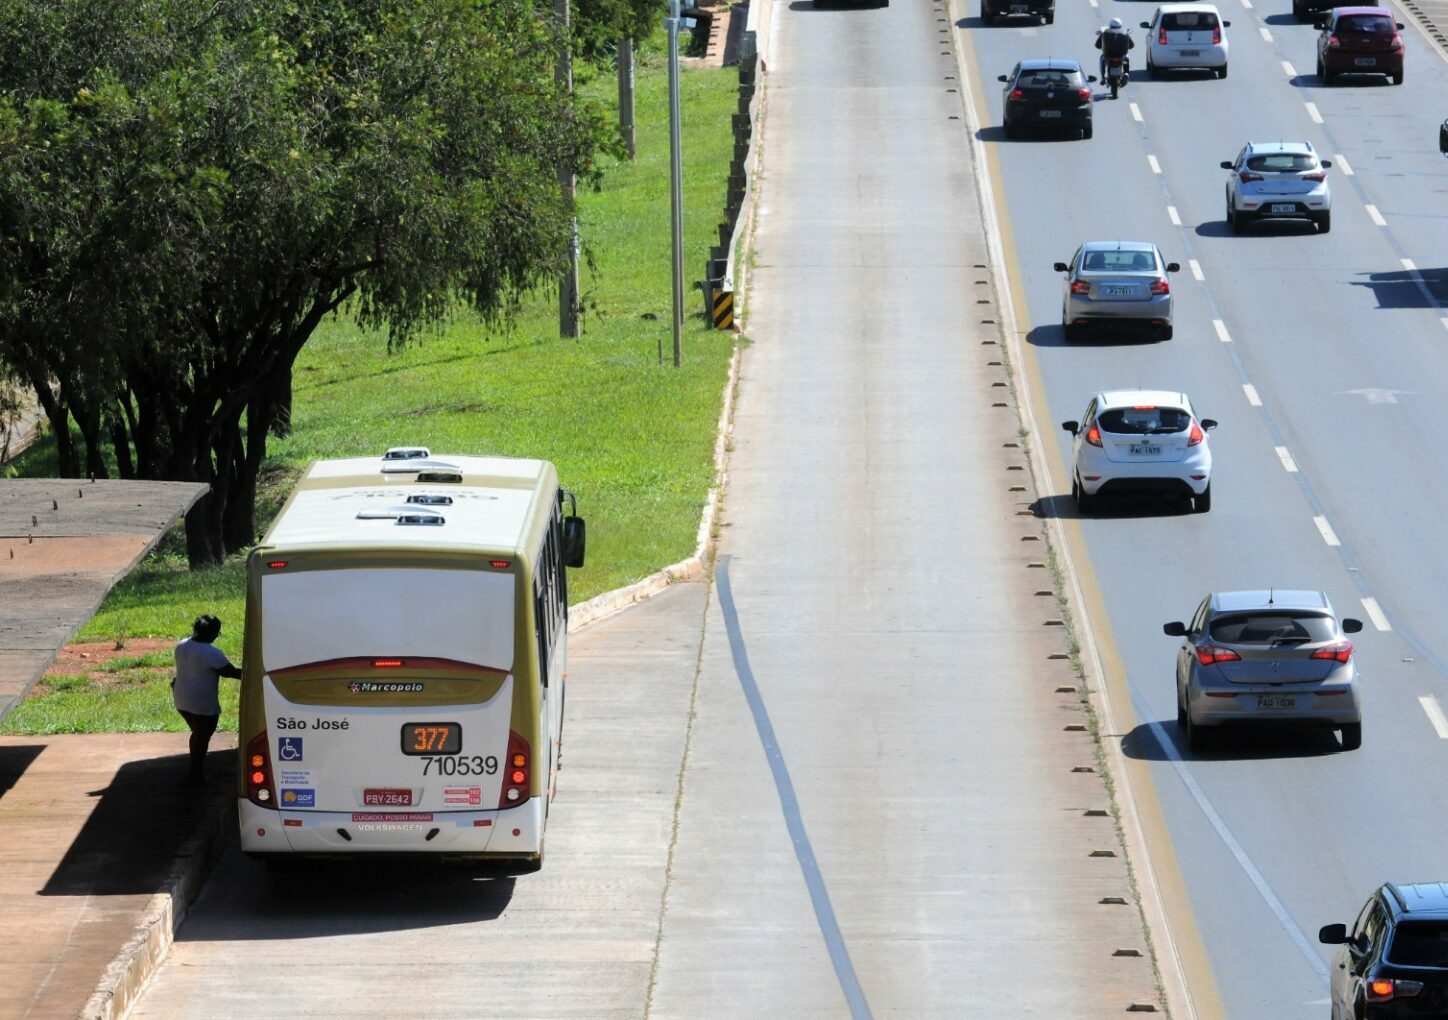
x=722, y=301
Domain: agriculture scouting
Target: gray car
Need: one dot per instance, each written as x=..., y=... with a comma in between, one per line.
x=1119, y=284
x=1266, y=656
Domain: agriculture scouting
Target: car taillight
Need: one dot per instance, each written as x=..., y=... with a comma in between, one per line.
x=1196, y=435
x=1332, y=42
x=1216, y=35
x=1084, y=95
x=259, y=786
x=1017, y=94
x=1397, y=43
x=1093, y=436
x=1160, y=286
x=1316, y=175
x=1080, y=287
x=1340, y=651
x=517, y=782
x=1247, y=178
x=1385, y=990
x=1208, y=654
x=1162, y=38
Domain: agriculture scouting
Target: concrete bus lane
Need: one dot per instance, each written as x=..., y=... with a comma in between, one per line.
x=1312, y=350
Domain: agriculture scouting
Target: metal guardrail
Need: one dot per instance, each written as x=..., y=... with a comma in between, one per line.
x=718, y=282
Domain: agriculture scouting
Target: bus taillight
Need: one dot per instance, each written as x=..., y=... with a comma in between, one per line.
x=259, y=787
x=516, y=779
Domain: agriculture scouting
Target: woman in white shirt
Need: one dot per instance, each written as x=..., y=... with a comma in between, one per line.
x=200, y=665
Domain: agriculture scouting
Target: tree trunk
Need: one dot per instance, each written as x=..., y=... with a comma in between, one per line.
x=281, y=408
x=626, y=94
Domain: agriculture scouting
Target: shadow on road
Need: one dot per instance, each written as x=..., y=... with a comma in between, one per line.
x=1399, y=288
x=1257, y=743
x=1063, y=507
x=14, y=760
x=1258, y=228
x=1054, y=336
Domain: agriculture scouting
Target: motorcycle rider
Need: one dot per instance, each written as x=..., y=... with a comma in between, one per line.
x=1114, y=41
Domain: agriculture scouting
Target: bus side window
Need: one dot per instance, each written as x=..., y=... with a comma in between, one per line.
x=550, y=595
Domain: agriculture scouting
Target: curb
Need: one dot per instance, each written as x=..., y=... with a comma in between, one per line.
x=126, y=977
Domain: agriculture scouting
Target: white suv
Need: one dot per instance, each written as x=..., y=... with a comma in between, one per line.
x=1278, y=180
x=1141, y=441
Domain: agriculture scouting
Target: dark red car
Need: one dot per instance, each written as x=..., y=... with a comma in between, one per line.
x=1359, y=40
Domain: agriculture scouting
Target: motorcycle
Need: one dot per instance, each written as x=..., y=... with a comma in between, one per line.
x=1117, y=73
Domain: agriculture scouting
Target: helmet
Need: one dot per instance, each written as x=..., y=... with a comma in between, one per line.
x=1116, y=24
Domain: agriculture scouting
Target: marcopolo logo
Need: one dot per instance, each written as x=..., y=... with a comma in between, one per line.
x=366, y=687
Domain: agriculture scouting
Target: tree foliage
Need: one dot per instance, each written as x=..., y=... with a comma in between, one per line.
x=189, y=187
x=598, y=25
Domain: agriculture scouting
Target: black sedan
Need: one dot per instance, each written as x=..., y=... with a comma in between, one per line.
x=1048, y=95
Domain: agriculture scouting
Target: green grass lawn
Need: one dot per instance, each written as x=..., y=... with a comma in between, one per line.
x=633, y=439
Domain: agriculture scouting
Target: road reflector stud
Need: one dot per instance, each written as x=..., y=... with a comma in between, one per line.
x=1127, y=952
x=1113, y=901
x=1103, y=853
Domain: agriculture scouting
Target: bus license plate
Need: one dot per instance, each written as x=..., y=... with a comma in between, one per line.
x=432, y=738
x=1276, y=701
x=387, y=798
x=1142, y=450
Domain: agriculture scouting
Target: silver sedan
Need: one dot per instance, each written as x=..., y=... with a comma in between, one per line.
x=1117, y=283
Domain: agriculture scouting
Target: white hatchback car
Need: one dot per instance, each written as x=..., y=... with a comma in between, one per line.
x=1186, y=36
x=1278, y=180
x=1141, y=441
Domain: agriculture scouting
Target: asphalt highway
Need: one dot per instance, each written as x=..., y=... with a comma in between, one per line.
x=1323, y=357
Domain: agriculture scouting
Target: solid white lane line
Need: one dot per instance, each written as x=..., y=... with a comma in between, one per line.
x=1251, y=392
x=1435, y=715
x=1328, y=535
x=1196, y=268
x=1375, y=613
x=1136, y=113
x=1221, y=328
x=1155, y=166
x=1176, y=220
x=1375, y=216
x=1312, y=112
x=1266, y=35
x=1340, y=161
x=1286, y=459
x=1409, y=266
x=1289, y=70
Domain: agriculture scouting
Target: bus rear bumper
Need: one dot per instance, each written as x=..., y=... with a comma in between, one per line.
x=510, y=833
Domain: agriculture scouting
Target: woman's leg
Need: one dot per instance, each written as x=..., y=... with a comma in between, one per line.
x=202, y=727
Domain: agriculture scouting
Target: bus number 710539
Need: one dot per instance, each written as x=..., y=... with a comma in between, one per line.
x=460, y=765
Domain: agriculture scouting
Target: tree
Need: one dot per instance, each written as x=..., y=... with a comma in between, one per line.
x=188, y=188
x=598, y=25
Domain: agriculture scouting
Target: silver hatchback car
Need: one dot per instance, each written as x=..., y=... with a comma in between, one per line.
x=1266, y=656
x=1117, y=283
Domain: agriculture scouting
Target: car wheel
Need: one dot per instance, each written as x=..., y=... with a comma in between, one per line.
x=1320, y=74
x=1328, y=77
x=1085, y=502
x=1398, y=78
x=1203, y=503
x=1352, y=736
x=986, y=15
x=1086, y=132
x=1196, y=735
x=1222, y=71
x=1298, y=11
x=1011, y=132
x=1164, y=332
x=1232, y=221
x=1150, y=67
x=1181, y=714
x=1324, y=222
x=1049, y=18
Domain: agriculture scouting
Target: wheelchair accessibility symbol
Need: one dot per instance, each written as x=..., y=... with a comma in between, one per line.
x=290, y=749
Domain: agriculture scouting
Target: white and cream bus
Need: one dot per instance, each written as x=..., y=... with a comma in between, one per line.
x=403, y=667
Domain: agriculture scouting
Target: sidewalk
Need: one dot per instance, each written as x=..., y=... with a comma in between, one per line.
x=92, y=827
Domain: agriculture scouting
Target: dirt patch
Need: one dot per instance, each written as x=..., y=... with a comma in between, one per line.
x=89, y=659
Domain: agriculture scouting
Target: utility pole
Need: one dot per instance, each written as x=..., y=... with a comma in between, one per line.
x=626, y=94
x=568, y=282
x=676, y=176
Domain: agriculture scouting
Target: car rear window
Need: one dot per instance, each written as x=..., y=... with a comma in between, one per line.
x=1049, y=78
x=1420, y=944
x=1186, y=21
x=1144, y=421
x=1118, y=262
x=1268, y=628
x=1282, y=162
x=1365, y=24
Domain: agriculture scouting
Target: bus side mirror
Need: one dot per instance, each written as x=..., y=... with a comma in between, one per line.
x=574, y=533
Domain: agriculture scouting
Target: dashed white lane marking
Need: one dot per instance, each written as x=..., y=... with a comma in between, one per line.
x=1176, y=220
x=1136, y=113
x=1221, y=328
x=1286, y=459
x=1151, y=162
x=1375, y=613
x=1247, y=4
x=1409, y=266
x=1375, y=216
x=1251, y=392
x=1312, y=112
x=1328, y=535
x=1435, y=715
x=1266, y=35
x=1444, y=321
x=1340, y=161
x=1289, y=70
x=1196, y=268
x=1093, y=3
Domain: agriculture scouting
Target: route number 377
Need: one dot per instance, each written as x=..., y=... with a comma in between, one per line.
x=460, y=765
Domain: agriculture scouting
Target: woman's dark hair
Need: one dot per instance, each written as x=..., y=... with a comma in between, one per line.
x=206, y=628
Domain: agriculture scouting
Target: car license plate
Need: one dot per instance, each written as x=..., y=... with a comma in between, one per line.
x=1189, y=53
x=1276, y=701
x=1284, y=207
x=1116, y=292
x=387, y=798
x=1145, y=450
x=1018, y=8
x=1050, y=113
x=1366, y=61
